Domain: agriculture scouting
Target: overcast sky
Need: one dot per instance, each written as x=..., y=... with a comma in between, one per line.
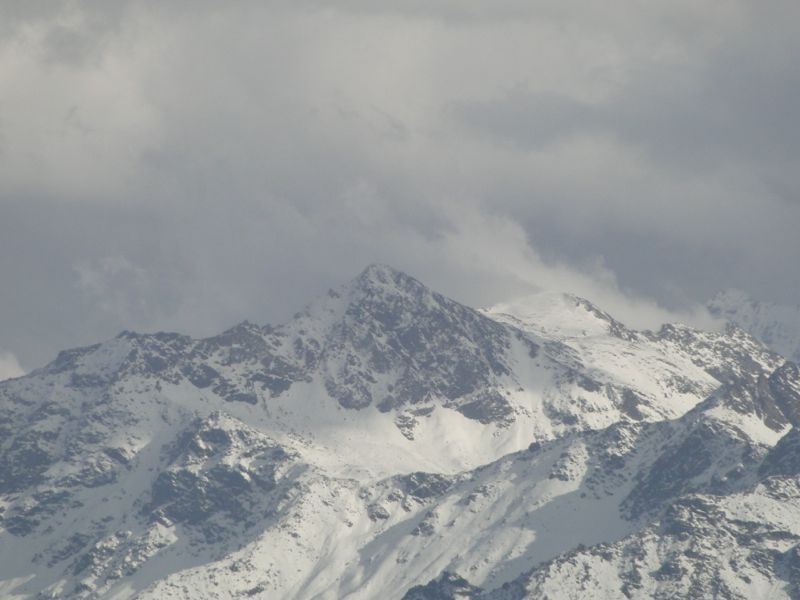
x=186, y=165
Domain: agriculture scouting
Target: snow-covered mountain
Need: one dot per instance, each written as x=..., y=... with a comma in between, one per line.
x=389, y=442
x=776, y=325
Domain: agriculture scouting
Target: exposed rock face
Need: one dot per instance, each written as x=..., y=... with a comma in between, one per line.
x=388, y=442
x=784, y=459
x=731, y=357
x=448, y=586
x=216, y=470
x=420, y=344
x=699, y=545
x=784, y=387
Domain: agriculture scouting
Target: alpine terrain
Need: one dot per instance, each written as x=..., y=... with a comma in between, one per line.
x=390, y=443
x=776, y=325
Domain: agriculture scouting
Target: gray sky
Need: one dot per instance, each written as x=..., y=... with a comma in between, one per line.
x=187, y=165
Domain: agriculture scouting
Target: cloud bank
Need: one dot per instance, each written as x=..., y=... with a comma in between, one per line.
x=187, y=165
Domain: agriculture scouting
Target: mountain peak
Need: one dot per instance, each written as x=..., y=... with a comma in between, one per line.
x=729, y=297
x=559, y=314
x=380, y=276
x=391, y=341
x=126, y=462
x=376, y=284
x=379, y=271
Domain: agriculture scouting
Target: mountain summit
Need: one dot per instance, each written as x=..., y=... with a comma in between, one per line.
x=388, y=440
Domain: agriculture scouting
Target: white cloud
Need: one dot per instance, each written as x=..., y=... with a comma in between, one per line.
x=9, y=366
x=496, y=251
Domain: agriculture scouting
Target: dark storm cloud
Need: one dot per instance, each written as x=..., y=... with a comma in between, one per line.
x=731, y=108
x=726, y=120
x=188, y=165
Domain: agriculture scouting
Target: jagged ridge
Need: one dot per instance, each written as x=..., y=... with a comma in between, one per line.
x=340, y=453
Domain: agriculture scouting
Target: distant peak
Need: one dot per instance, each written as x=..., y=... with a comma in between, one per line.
x=731, y=297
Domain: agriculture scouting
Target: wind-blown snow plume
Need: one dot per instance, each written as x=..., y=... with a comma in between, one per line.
x=9, y=366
